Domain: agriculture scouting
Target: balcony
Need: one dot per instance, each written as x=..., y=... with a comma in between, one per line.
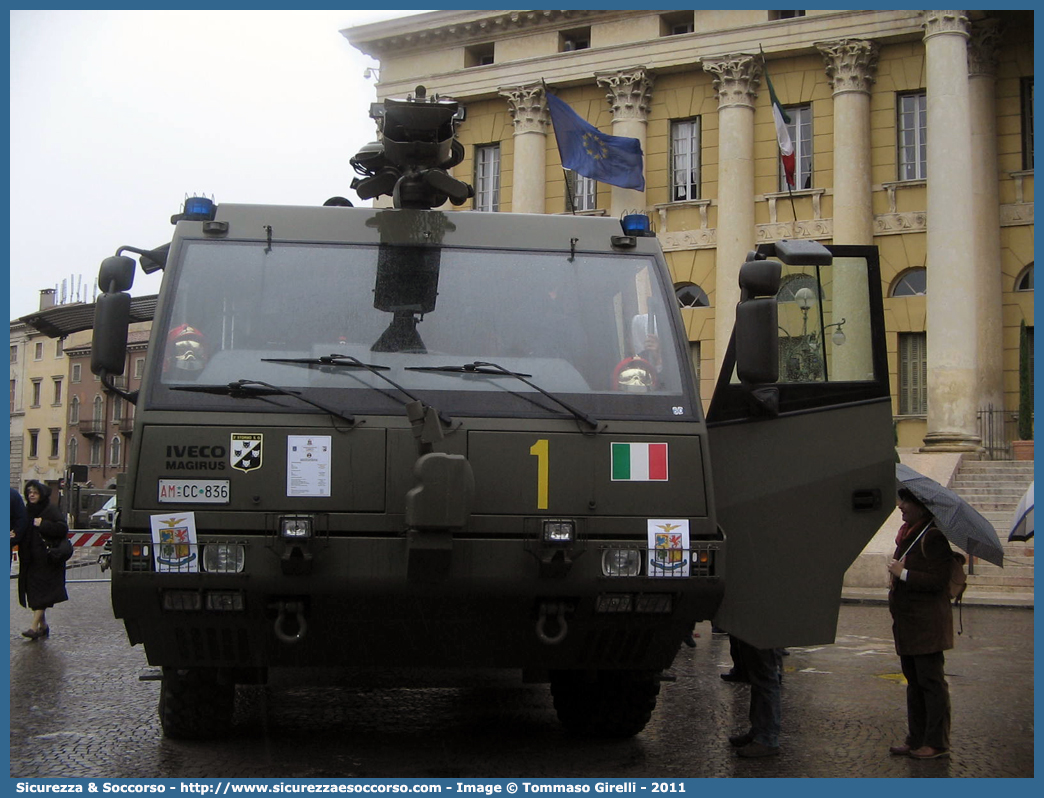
x=126, y=425
x=92, y=427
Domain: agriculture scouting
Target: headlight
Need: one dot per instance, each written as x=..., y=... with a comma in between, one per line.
x=621, y=562
x=223, y=558
x=559, y=533
x=295, y=527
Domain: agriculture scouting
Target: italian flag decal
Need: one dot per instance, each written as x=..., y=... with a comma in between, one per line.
x=639, y=462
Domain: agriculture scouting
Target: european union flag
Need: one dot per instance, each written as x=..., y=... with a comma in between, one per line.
x=615, y=160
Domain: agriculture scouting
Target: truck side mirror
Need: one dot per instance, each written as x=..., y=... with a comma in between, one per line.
x=111, y=323
x=116, y=274
x=757, y=321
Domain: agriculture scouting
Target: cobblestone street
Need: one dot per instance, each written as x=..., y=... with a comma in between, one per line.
x=78, y=710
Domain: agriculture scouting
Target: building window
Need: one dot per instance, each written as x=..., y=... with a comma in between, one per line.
x=676, y=23
x=14, y=393
x=74, y=410
x=139, y=367
x=115, y=450
x=582, y=190
x=76, y=370
x=55, y=449
x=1027, y=123
x=59, y=347
x=117, y=409
x=800, y=129
x=773, y=15
x=38, y=351
x=34, y=443
x=99, y=409
x=577, y=39
x=487, y=178
x=57, y=390
x=478, y=55
x=96, y=452
x=74, y=450
x=685, y=160
x=912, y=282
x=913, y=374
x=691, y=295
x=35, y=401
x=14, y=353
x=1025, y=280
x=913, y=139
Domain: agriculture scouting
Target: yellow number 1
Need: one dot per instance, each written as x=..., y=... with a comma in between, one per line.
x=539, y=449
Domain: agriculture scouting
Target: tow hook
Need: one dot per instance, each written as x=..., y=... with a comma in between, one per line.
x=295, y=608
x=557, y=610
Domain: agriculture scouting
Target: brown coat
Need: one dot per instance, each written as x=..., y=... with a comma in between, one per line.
x=922, y=621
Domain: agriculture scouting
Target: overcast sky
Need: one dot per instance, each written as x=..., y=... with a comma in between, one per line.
x=117, y=115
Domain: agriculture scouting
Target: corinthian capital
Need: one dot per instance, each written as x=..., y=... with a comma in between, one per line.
x=630, y=92
x=528, y=108
x=937, y=22
x=986, y=37
x=851, y=64
x=736, y=78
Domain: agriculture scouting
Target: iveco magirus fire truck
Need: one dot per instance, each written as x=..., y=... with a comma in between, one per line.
x=412, y=441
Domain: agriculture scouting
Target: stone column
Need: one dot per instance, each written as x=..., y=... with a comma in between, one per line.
x=629, y=95
x=851, y=66
x=736, y=79
x=528, y=108
x=953, y=344
x=982, y=69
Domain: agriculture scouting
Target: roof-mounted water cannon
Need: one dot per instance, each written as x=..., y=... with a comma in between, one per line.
x=417, y=146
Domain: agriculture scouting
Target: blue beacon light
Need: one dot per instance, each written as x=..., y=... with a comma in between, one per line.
x=199, y=209
x=636, y=224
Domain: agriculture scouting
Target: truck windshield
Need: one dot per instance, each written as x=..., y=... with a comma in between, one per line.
x=593, y=327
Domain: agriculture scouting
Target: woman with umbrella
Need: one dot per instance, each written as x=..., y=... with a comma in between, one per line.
x=922, y=625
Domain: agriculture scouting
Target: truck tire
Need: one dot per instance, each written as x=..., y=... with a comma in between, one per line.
x=612, y=704
x=195, y=704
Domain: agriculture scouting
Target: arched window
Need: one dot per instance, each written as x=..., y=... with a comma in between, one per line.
x=115, y=449
x=912, y=282
x=74, y=450
x=691, y=295
x=792, y=284
x=99, y=409
x=1024, y=282
x=74, y=411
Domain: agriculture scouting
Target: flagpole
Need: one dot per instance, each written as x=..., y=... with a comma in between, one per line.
x=565, y=172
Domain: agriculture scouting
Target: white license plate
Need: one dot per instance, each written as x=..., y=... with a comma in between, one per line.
x=193, y=491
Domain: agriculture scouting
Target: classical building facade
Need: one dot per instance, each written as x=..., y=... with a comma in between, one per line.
x=913, y=131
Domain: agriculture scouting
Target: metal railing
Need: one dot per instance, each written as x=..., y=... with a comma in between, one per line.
x=997, y=429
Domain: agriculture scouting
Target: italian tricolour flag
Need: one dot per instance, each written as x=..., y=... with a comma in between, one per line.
x=639, y=462
x=786, y=144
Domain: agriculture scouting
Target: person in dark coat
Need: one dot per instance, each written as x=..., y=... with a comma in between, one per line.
x=19, y=520
x=41, y=580
x=922, y=625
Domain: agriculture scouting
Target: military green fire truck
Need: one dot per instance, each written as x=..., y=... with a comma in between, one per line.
x=410, y=441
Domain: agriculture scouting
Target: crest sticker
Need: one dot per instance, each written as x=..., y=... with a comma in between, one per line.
x=245, y=451
x=668, y=547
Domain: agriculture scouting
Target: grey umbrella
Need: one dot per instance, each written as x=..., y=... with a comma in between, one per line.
x=963, y=525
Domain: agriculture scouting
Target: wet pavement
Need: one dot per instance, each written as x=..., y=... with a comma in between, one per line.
x=78, y=710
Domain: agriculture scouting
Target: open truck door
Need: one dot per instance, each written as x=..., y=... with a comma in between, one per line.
x=804, y=458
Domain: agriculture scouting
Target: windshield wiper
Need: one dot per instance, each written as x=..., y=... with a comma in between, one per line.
x=344, y=361
x=492, y=369
x=255, y=389
x=347, y=361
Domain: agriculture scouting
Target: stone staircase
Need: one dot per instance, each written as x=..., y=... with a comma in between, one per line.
x=994, y=487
